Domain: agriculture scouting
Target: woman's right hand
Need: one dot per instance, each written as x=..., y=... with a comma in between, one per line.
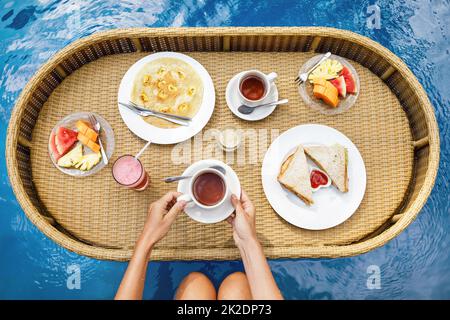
x=260, y=278
x=243, y=220
x=161, y=215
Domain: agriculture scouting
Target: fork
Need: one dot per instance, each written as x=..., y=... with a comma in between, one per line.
x=96, y=125
x=184, y=121
x=159, y=113
x=304, y=76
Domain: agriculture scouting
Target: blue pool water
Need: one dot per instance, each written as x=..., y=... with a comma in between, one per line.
x=414, y=265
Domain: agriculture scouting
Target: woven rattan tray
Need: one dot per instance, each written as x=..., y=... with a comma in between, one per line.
x=392, y=124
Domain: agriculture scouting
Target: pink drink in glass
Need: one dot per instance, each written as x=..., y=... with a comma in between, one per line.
x=129, y=172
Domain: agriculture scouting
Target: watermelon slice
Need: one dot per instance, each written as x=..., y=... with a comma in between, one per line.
x=64, y=140
x=349, y=80
x=340, y=84
x=55, y=152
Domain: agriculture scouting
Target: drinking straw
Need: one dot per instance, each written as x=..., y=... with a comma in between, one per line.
x=142, y=150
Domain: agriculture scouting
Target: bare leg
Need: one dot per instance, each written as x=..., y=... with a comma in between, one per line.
x=235, y=287
x=196, y=286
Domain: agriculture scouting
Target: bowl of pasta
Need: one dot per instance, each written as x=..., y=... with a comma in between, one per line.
x=168, y=83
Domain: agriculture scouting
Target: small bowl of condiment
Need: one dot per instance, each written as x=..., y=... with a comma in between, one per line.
x=319, y=179
x=229, y=139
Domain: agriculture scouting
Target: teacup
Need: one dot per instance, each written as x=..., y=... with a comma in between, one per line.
x=254, y=87
x=208, y=189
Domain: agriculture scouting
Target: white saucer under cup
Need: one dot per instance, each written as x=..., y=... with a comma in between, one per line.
x=234, y=101
x=226, y=208
x=331, y=207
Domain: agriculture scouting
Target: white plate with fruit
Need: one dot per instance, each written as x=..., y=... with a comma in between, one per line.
x=332, y=87
x=74, y=147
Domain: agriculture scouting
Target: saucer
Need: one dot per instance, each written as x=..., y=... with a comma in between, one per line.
x=217, y=214
x=234, y=102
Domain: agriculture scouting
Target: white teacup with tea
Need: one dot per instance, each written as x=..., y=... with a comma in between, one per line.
x=254, y=87
x=208, y=189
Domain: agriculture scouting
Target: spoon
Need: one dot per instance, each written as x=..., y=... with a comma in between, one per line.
x=247, y=110
x=178, y=178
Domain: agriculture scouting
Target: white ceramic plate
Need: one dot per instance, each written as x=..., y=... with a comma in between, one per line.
x=217, y=214
x=331, y=207
x=171, y=135
x=234, y=102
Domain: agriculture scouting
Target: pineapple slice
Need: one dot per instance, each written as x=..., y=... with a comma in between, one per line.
x=88, y=161
x=329, y=69
x=72, y=157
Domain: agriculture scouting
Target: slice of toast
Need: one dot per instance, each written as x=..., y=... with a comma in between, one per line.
x=333, y=160
x=294, y=175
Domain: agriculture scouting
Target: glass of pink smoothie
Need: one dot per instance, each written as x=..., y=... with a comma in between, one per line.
x=129, y=172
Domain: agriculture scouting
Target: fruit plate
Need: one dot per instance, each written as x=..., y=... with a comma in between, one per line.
x=306, y=88
x=106, y=135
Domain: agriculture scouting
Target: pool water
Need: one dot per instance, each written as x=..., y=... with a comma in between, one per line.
x=416, y=264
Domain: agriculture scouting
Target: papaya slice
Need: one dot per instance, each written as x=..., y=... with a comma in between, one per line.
x=91, y=134
x=93, y=146
x=327, y=93
x=320, y=82
x=318, y=91
x=82, y=126
x=82, y=138
x=87, y=135
x=88, y=142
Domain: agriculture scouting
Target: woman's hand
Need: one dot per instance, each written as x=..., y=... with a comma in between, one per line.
x=243, y=220
x=161, y=215
x=260, y=278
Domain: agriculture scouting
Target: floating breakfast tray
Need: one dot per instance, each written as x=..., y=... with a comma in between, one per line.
x=392, y=124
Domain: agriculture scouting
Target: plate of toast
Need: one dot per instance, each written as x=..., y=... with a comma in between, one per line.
x=314, y=177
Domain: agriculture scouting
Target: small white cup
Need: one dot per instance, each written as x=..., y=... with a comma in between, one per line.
x=229, y=138
x=267, y=80
x=189, y=196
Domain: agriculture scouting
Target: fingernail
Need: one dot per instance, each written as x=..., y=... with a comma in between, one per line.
x=233, y=197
